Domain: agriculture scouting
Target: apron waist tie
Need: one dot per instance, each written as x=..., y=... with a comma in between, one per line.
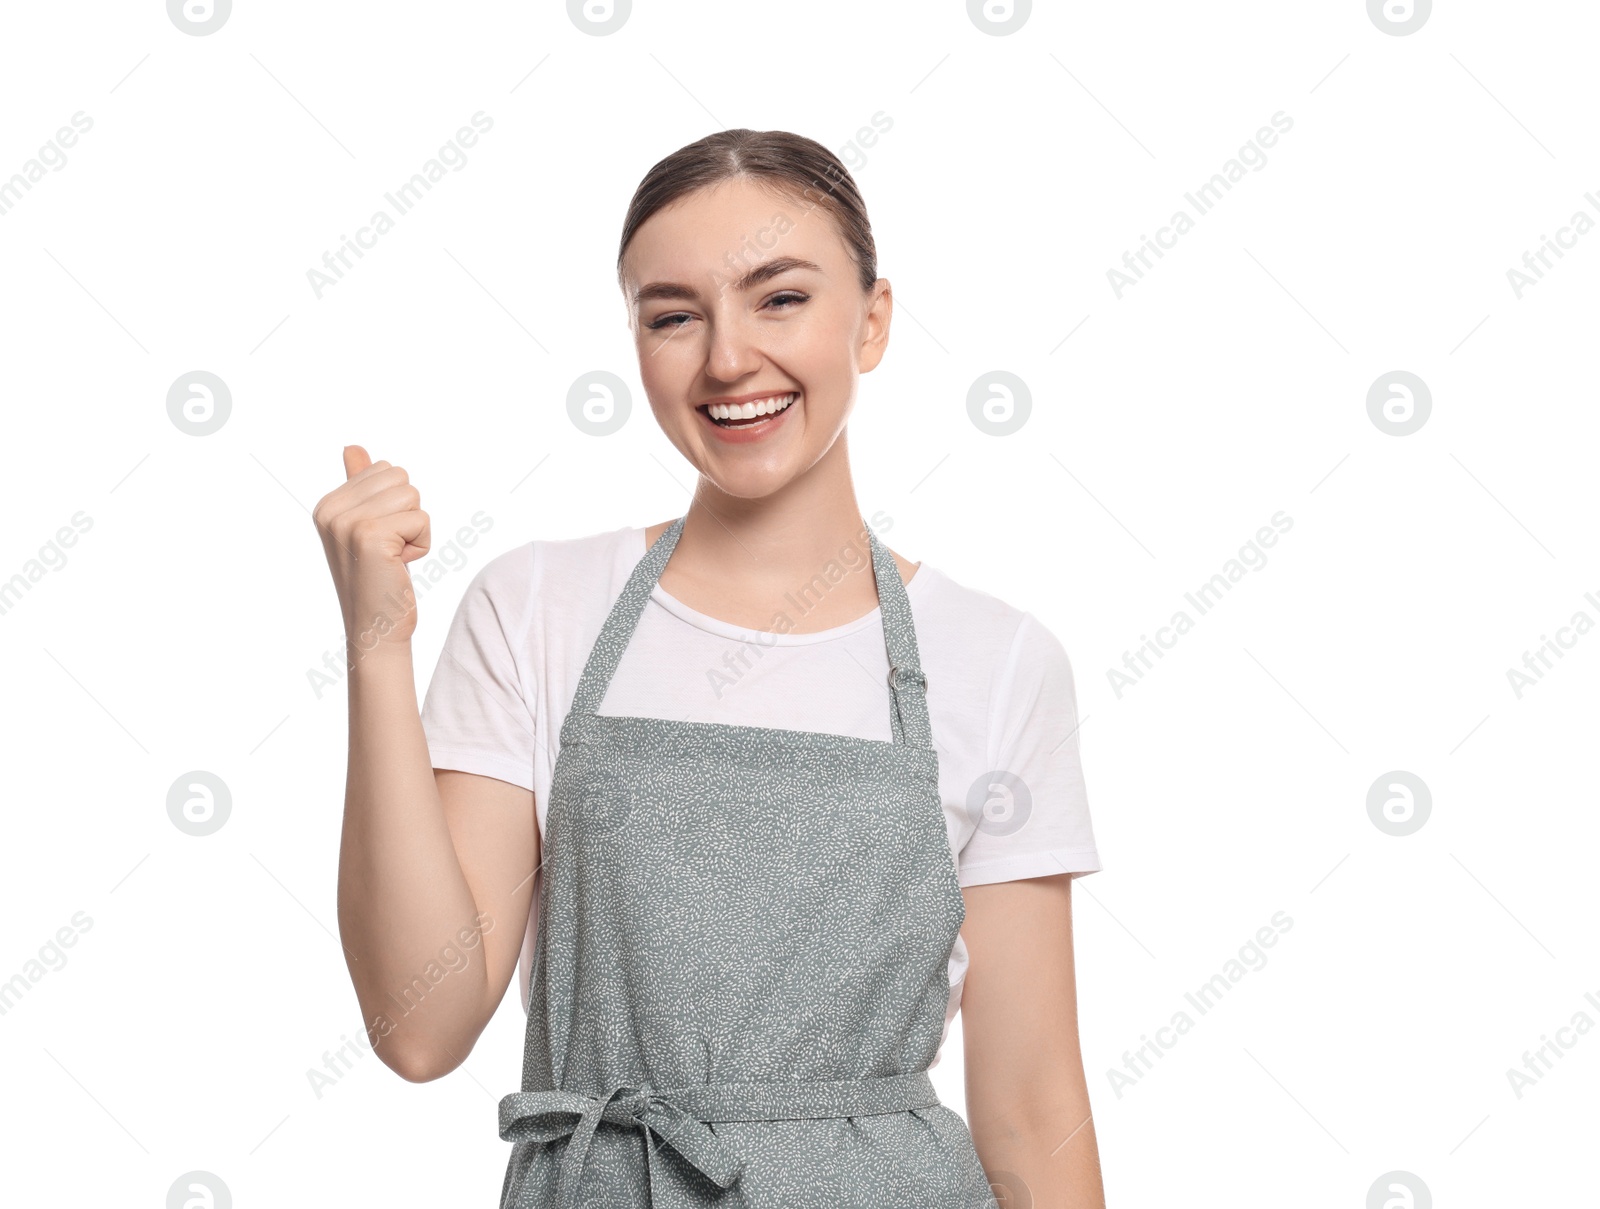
x=679, y=1117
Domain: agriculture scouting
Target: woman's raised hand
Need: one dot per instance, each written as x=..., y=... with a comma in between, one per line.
x=371, y=526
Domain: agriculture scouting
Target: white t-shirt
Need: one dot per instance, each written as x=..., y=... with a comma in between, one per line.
x=1001, y=698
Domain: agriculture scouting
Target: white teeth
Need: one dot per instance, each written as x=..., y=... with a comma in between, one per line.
x=748, y=411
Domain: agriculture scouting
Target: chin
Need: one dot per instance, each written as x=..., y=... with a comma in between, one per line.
x=747, y=486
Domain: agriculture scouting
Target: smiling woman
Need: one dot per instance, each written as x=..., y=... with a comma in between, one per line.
x=744, y=921
x=813, y=313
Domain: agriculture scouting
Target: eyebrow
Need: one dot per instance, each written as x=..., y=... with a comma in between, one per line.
x=762, y=272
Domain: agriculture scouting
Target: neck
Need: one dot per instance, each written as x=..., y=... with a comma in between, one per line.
x=750, y=560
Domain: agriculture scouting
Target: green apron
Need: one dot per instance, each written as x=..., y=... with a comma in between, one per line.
x=740, y=971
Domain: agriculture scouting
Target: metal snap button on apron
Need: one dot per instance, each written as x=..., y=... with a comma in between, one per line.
x=916, y=675
x=740, y=969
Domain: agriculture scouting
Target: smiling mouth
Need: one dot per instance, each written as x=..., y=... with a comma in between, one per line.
x=749, y=415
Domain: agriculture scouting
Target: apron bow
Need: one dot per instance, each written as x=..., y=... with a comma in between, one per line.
x=543, y=1116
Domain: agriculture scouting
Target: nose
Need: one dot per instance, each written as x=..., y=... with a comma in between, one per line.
x=733, y=351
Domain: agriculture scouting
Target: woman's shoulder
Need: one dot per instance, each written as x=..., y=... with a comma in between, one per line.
x=978, y=627
x=591, y=560
x=586, y=550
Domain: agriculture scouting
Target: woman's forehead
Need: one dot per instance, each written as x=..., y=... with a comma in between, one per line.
x=713, y=235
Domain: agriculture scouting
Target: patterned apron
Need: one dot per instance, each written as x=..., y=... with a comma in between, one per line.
x=740, y=968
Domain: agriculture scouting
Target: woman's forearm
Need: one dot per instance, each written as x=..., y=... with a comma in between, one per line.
x=407, y=918
x=1046, y=1159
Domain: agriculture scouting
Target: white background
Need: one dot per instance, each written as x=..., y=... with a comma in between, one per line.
x=1230, y=383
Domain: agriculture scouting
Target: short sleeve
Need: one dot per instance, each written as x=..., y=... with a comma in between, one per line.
x=1035, y=821
x=476, y=714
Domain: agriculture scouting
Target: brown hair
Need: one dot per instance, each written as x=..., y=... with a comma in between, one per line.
x=787, y=163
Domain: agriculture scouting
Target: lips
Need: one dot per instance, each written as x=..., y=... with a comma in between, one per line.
x=750, y=418
x=748, y=410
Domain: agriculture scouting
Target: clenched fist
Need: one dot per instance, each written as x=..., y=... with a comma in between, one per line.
x=371, y=526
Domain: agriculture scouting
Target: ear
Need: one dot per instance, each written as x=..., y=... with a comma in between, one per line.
x=875, y=331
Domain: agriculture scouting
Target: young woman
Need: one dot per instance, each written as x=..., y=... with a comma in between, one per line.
x=726, y=783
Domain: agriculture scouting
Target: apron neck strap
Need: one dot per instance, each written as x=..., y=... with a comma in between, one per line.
x=908, y=706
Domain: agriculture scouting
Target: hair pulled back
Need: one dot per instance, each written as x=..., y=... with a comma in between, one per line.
x=787, y=163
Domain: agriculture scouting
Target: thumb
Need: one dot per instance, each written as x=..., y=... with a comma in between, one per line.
x=356, y=460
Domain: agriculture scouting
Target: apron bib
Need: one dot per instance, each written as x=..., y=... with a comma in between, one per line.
x=740, y=972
